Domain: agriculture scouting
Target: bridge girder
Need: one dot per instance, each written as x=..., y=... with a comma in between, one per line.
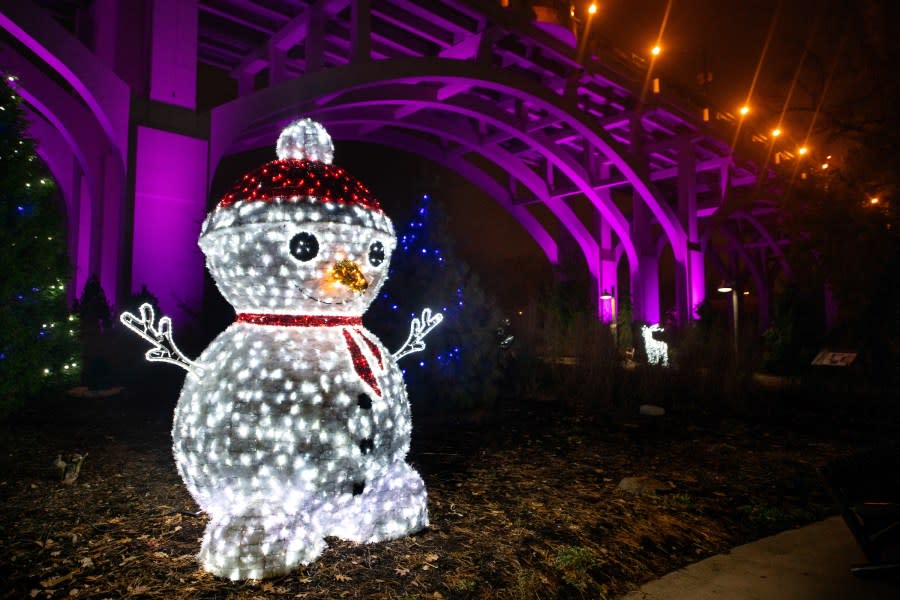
x=460, y=80
x=421, y=84
x=93, y=209
x=348, y=131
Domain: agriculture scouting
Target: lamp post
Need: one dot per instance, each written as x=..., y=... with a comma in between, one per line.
x=724, y=288
x=614, y=323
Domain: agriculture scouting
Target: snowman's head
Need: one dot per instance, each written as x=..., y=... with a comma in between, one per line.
x=298, y=235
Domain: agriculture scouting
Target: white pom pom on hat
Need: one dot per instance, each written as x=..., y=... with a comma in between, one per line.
x=305, y=139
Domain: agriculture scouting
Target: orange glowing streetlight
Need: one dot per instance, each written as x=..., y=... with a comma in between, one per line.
x=591, y=12
x=874, y=200
x=802, y=150
x=655, y=50
x=776, y=132
x=744, y=110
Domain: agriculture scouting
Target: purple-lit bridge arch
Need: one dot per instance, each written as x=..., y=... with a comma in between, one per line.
x=456, y=103
x=82, y=133
x=576, y=150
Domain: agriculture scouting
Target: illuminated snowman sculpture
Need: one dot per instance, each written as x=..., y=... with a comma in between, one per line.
x=294, y=424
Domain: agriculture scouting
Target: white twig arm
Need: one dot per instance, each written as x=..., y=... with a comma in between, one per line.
x=160, y=335
x=418, y=329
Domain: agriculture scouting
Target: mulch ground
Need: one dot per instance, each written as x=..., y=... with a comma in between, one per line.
x=523, y=504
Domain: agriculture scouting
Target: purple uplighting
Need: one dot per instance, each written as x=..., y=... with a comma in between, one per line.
x=561, y=139
x=168, y=209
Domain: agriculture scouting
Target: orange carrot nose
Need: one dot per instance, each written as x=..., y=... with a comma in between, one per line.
x=348, y=273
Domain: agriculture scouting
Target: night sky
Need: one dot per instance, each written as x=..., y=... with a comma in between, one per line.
x=728, y=38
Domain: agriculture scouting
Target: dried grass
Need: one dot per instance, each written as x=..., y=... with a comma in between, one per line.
x=523, y=504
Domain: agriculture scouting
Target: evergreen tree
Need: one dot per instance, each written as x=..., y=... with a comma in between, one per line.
x=459, y=367
x=38, y=336
x=93, y=308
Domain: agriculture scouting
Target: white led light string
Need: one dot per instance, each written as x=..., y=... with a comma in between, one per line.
x=657, y=350
x=294, y=423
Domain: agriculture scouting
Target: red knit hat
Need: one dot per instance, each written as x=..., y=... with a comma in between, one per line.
x=303, y=170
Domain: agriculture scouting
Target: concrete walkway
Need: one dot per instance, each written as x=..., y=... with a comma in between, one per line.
x=811, y=563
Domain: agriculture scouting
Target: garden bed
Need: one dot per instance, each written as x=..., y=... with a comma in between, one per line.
x=523, y=503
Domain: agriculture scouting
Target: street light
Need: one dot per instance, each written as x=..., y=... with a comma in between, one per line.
x=724, y=288
x=582, y=45
x=614, y=323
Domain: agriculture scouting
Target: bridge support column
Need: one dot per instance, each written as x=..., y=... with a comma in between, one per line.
x=169, y=207
x=80, y=228
x=646, y=300
x=607, y=282
x=173, y=60
x=169, y=170
x=690, y=282
x=645, y=279
x=106, y=226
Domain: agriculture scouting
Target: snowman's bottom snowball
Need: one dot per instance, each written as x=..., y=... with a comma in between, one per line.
x=387, y=509
x=262, y=541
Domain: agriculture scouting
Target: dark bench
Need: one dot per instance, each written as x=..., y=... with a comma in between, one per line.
x=866, y=488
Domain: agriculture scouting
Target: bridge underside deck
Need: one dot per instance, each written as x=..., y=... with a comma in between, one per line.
x=579, y=142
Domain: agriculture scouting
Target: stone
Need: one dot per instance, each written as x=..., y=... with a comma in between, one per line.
x=651, y=410
x=642, y=485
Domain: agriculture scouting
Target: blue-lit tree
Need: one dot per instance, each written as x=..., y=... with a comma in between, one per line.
x=38, y=336
x=459, y=368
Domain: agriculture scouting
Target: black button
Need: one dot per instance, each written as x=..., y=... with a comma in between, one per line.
x=358, y=487
x=364, y=402
x=366, y=445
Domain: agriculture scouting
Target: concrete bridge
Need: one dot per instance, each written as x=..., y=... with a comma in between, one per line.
x=597, y=159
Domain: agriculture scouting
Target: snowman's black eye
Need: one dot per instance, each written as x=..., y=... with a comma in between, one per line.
x=376, y=253
x=304, y=246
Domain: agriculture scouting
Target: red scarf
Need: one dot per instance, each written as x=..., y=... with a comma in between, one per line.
x=350, y=325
